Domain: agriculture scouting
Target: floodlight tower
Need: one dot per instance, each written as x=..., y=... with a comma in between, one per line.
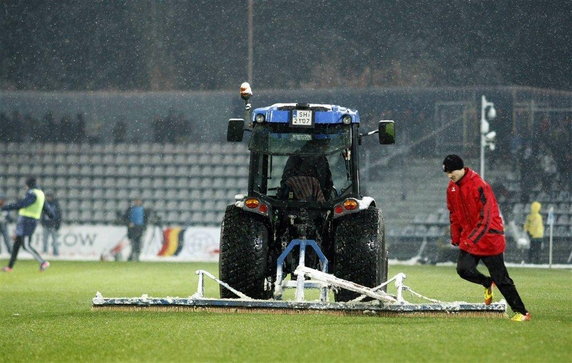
x=487, y=137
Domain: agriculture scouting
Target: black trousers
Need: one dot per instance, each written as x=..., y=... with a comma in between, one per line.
x=534, y=251
x=26, y=242
x=135, y=234
x=467, y=269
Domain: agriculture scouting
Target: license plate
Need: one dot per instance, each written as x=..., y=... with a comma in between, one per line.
x=301, y=118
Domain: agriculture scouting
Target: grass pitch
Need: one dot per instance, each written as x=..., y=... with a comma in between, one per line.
x=48, y=317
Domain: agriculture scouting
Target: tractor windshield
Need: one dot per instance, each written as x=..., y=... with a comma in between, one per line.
x=287, y=141
x=284, y=152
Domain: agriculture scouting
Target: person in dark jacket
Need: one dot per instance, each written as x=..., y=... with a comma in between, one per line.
x=477, y=229
x=30, y=210
x=5, y=218
x=51, y=226
x=307, y=176
x=136, y=219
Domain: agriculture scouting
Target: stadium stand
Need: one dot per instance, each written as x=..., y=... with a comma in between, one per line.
x=418, y=219
x=183, y=184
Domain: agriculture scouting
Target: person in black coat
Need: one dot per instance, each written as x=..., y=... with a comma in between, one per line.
x=51, y=226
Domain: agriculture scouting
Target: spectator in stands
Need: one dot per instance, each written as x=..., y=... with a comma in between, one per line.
x=159, y=129
x=33, y=128
x=79, y=134
x=49, y=129
x=529, y=163
x=477, y=228
x=136, y=220
x=549, y=169
x=5, y=129
x=4, y=220
x=67, y=129
x=30, y=210
x=119, y=131
x=534, y=227
x=16, y=128
x=51, y=226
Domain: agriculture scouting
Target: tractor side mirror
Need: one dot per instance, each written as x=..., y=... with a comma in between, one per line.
x=235, y=130
x=386, y=130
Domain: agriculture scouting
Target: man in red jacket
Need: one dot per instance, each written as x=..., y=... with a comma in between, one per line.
x=477, y=229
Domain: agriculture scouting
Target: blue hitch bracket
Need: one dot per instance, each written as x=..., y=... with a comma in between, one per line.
x=301, y=283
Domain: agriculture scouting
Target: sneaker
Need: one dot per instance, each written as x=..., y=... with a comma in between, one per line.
x=521, y=317
x=489, y=294
x=44, y=266
x=7, y=269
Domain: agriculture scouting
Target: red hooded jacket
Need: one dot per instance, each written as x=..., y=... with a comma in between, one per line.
x=476, y=223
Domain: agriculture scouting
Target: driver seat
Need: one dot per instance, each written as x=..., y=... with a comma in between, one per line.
x=305, y=188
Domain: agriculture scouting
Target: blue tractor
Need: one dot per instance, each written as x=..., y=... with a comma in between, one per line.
x=303, y=184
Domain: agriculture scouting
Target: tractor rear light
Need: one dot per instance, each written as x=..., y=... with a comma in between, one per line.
x=263, y=208
x=251, y=203
x=338, y=209
x=350, y=204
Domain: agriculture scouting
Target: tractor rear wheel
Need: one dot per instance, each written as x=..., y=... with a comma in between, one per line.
x=244, y=254
x=360, y=255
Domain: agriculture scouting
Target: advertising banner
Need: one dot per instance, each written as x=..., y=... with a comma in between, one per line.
x=108, y=243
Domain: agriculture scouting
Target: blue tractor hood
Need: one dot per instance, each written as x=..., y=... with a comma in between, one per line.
x=322, y=113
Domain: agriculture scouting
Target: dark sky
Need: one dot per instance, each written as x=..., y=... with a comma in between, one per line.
x=180, y=45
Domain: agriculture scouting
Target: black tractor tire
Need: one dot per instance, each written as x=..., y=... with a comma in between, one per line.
x=360, y=254
x=243, y=254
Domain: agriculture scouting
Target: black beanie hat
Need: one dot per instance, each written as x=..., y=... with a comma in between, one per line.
x=452, y=162
x=31, y=182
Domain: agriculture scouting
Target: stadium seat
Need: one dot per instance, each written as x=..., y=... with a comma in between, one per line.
x=155, y=159
x=168, y=159
x=72, y=204
x=98, y=217
x=122, y=194
x=60, y=159
x=220, y=205
x=172, y=217
x=180, y=159
x=110, y=205
x=204, y=159
x=222, y=194
x=432, y=218
x=420, y=231
x=408, y=231
x=172, y=205
x=108, y=159
x=134, y=194
x=433, y=232
x=146, y=170
x=563, y=219
x=197, y=218
x=218, y=183
x=61, y=169
x=185, y=218
x=185, y=205
x=211, y=218
x=74, y=193
x=171, y=171
x=172, y=194
x=73, y=170
x=72, y=216
x=182, y=183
